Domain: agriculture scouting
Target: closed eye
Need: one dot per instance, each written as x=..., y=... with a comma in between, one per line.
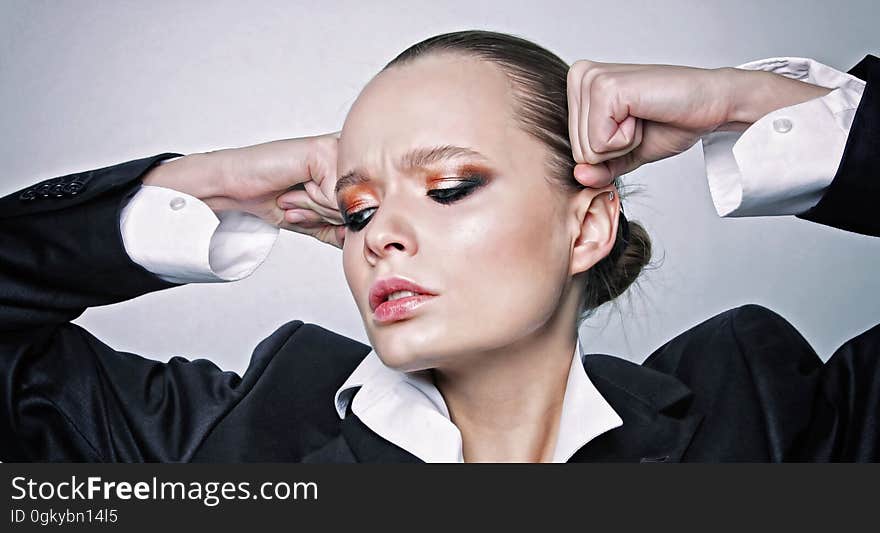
x=452, y=194
x=357, y=220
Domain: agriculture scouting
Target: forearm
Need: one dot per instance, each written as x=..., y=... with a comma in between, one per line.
x=202, y=175
x=59, y=256
x=754, y=94
x=780, y=160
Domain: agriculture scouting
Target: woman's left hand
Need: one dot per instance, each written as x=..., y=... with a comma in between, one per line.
x=622, y=116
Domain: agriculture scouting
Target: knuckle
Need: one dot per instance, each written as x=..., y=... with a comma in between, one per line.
x=604, y=82
x=592, y=157
x=578, y=69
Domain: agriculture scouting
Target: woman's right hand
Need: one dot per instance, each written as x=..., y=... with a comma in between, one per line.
x=289, y=183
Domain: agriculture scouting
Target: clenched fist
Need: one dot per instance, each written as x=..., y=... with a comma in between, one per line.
x=622, y=116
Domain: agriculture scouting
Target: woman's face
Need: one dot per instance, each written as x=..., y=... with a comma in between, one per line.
x=444, y=189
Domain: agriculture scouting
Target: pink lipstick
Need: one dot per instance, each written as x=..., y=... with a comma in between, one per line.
x=397, y=298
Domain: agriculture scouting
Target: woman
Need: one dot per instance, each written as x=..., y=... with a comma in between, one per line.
x=471, y=254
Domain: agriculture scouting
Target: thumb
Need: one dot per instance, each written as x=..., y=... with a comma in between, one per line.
x=605, y=173
x=596, y=176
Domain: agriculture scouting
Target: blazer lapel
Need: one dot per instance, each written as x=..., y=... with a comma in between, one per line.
x=368, y=447
x=659, y=420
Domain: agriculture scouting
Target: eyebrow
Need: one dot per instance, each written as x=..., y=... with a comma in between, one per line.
x=416, y=158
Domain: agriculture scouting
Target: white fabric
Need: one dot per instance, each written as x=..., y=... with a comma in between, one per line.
x=407, y=409
x=192, y=243
x=783, y=163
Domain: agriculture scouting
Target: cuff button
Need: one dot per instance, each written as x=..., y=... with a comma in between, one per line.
x=782, y=125
x=177, y=203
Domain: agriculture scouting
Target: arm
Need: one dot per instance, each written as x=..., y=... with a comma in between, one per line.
x=184, y=230
x=851, y=200
x=659, y=111
x=66, y=395
x=58, y=251
x=785, y=161
x=59, y=255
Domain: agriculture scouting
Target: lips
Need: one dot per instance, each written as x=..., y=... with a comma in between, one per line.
x=387, y=311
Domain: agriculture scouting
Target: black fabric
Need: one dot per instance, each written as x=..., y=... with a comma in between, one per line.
x=853, y=194
x=741, y=386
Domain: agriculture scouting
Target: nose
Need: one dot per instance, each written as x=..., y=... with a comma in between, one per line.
x=389, y=232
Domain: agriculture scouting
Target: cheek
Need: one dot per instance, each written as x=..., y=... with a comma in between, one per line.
x=354, y=267
x=509, y=261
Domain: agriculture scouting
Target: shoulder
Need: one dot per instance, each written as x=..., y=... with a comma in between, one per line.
x=753, y=377
x=286, y=407
x=309, y=358
x=748, y=339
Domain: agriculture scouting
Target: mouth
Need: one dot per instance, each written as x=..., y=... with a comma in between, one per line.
x=396, y=298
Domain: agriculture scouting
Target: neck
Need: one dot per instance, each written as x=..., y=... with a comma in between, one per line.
x=507, y=402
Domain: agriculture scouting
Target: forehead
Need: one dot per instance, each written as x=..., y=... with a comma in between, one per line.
x=432, y=101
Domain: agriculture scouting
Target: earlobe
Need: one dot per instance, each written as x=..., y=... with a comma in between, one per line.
x=595, y=213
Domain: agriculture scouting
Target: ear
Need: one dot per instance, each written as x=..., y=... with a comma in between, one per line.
x=594, y=216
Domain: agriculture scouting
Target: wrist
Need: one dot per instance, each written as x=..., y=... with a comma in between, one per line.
x=754, y=94
x=202, y=175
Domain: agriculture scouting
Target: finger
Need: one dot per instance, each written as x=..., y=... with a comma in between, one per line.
x=573, y=91
x=611, y=130
x=589, y=156
x=329, y=211
x=328, y=183
x=595, y=176
x=605, y=173
x=303, y=200
x=611, y=122
x=330, y=234
x=317, y=194
x=293, y=199
x=324, y=174
x=302, y=217
x=587, y=102
x=326, y=206
x=583, y=102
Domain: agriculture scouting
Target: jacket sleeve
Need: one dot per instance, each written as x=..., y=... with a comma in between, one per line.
x=65, y=395
x=850, y=202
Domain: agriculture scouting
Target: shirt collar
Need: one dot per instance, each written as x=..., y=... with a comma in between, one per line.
x=407, y=409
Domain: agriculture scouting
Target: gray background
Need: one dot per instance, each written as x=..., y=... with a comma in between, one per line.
x=86, y=84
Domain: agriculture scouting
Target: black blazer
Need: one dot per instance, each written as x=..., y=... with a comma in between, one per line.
x=743, y=385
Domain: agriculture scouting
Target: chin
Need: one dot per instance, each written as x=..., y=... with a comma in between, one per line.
x=408, y=345
x=404, y=350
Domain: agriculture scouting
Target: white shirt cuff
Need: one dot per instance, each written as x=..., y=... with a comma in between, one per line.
x=783, y=163
x=181, y=240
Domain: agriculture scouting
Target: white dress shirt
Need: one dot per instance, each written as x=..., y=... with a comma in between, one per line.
x=407, y=409
x=780, y=165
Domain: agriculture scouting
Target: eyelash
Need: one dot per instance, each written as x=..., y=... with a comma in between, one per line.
x=356, y=221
